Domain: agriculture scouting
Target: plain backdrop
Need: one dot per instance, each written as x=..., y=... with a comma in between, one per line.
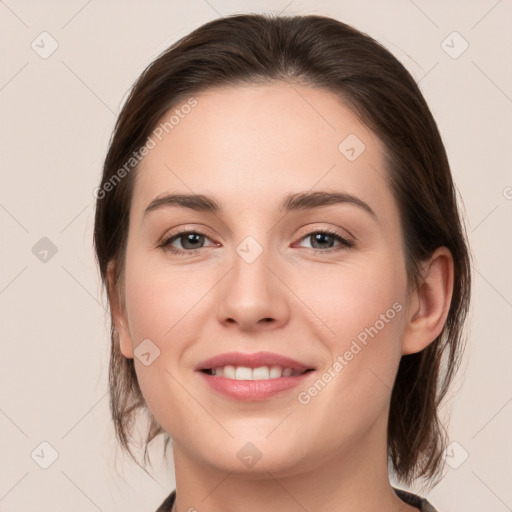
x=66, y=67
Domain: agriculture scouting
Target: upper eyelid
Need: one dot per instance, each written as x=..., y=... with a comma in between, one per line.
x=308, y=228
x=341, y=232
x=177, y=234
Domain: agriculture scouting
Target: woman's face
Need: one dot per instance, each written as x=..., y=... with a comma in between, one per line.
x=259, y=284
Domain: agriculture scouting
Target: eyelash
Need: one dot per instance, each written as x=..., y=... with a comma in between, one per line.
x=344, y=242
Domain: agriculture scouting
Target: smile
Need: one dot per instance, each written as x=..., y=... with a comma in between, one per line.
x=246, y=373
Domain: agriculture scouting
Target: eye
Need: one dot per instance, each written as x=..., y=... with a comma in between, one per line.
x=324, y=241
x=191, y=242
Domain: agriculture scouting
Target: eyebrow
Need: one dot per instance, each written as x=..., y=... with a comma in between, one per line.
x=292, y=202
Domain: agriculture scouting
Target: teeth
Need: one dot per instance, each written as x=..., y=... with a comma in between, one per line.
x=229, y=372
x=260, y=373
x=275, y=372
x=243, y=373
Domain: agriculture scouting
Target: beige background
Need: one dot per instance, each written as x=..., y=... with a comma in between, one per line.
x=57, y=115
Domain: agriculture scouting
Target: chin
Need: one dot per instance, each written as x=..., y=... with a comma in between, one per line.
x=251, y=456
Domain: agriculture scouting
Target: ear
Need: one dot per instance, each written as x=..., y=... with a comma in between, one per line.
x=429, y=303
x=118, y=312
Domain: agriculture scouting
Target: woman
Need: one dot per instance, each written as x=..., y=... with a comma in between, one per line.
x=286, y=267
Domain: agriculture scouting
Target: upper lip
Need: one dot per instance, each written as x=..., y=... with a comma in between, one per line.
x=253, y=360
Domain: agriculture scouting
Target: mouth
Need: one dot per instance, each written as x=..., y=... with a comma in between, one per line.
x=252, y=377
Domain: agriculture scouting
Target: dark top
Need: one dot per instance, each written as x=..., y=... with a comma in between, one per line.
x=411, y=499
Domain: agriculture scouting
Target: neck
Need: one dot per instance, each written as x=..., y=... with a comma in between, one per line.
x=345, y=480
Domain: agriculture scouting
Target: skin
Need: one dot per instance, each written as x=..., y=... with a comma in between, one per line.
x=248, y=147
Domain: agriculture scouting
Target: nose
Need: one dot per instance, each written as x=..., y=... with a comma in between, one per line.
x=253, y=297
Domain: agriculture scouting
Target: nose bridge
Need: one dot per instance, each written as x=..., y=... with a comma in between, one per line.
x=252, y=295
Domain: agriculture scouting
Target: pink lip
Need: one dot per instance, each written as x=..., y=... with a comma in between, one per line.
x=252, y=390
x=251, y=361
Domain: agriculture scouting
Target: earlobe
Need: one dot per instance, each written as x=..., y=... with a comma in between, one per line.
x=118, y=313
x=430, y=303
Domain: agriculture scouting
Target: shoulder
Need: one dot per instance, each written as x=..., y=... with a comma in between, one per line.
x=168, y=503
x=412, y=499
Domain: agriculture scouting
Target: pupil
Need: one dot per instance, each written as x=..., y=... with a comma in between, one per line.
x=320, y=238
x=191, y=238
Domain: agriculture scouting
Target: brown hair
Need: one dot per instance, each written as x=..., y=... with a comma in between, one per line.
x=319, y=52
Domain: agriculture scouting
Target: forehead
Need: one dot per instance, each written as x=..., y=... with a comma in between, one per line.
x=256, y=143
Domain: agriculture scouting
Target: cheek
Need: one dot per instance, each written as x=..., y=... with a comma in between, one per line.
x=160, y=307
x=159, y=298
x=362, y=313
x=168, y=305
x=356, y=300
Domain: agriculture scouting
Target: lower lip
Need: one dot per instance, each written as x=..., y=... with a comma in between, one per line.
x=253, y=390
